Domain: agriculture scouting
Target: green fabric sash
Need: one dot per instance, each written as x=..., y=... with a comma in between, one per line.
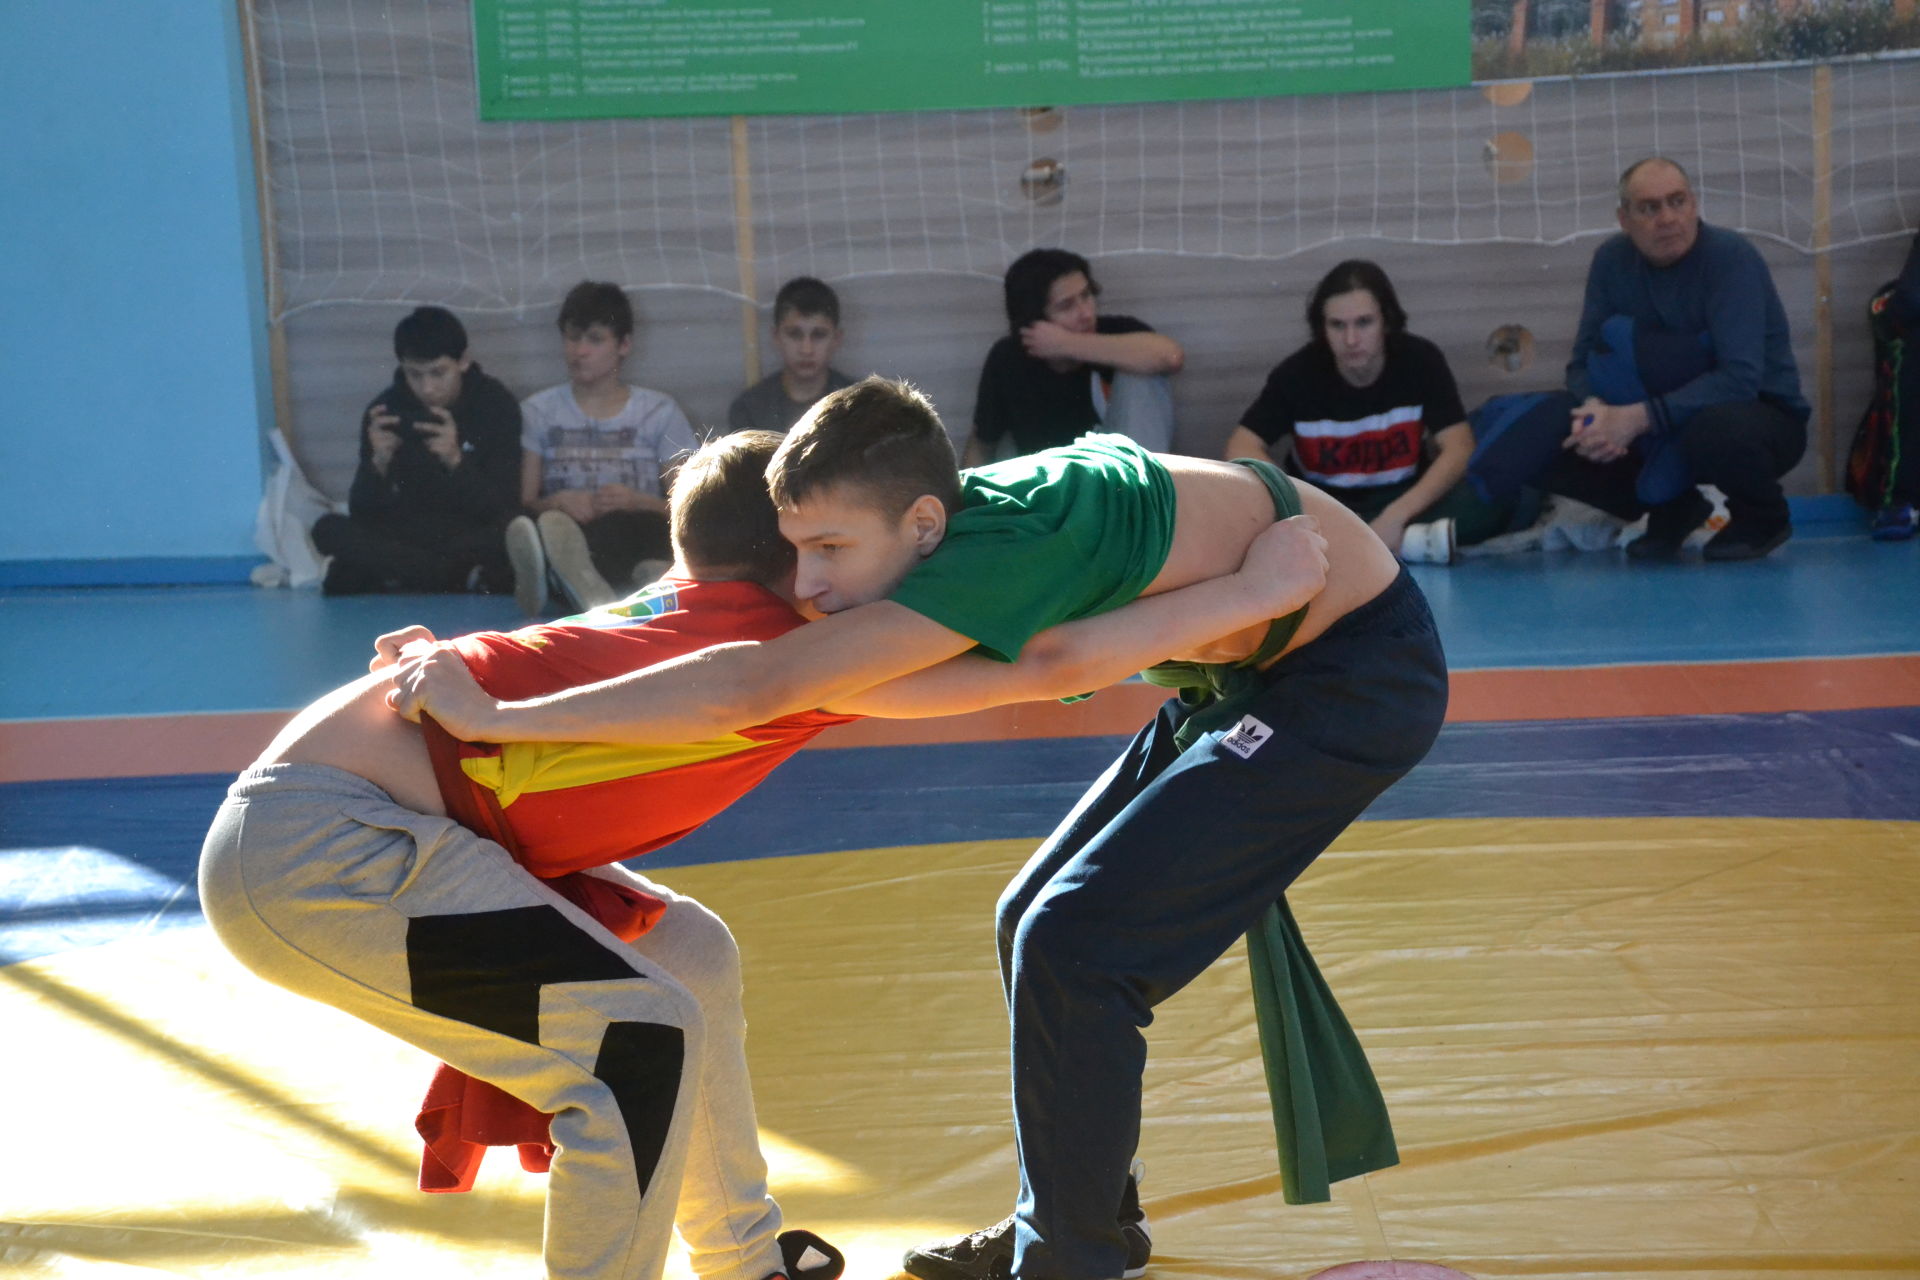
x=1330, y=1121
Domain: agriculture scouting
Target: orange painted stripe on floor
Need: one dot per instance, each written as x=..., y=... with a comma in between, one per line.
x=1684, y=689
x=226, y=742
x=135, y=746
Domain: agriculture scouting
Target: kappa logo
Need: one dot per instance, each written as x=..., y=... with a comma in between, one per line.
x=1246, y=737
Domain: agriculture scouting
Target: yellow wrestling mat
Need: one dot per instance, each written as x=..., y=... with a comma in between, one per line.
x=1621, y=1048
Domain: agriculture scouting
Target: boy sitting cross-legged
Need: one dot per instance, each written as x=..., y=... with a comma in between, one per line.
x=599, y=455
x=438, y=478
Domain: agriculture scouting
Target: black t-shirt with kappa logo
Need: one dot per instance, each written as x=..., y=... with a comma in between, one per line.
x=1350, y=438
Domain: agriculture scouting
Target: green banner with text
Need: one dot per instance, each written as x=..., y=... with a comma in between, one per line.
x=577, y=59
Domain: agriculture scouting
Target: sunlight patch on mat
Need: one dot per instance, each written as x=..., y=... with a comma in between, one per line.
x=57, y=899
x=199, y=1121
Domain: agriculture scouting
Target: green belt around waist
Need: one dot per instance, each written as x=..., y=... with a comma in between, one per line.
x=1204, y=683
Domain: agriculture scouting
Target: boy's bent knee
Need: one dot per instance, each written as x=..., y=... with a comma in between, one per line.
x=703, y=954
x=1056, y=932
x=1720, y=427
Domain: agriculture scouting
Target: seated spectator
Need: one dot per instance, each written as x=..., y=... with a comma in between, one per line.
x=1064, y=369
x=438, y=475
x=806, y=332
x=1371, y=414
x=1682, y=375
x=598, y=457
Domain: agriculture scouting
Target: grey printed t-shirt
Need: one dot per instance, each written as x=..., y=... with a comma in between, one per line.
x=632, y=448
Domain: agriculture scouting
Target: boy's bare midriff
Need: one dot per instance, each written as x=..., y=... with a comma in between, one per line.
x=1220, y=507
x=353, y=729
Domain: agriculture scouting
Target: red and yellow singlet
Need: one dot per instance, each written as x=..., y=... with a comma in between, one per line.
x=572, y=805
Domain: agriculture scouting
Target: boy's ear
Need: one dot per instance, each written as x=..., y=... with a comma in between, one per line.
x=927, y=522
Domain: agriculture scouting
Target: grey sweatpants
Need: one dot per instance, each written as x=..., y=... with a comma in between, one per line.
x=318, y=882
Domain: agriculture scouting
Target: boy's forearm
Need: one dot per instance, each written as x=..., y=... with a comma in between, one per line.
x=1081, y=656
x=1243, y=442
x=1092, y=653
x=731, y=687
x=1143, y=352
x=1448, y=468
x=687, y=699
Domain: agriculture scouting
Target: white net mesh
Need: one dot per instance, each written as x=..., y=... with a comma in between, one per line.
x=387, y=188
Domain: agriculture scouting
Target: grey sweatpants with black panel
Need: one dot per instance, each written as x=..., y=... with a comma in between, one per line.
x=318, y=882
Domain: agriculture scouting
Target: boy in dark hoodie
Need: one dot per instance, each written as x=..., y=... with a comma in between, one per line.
x=438, y=479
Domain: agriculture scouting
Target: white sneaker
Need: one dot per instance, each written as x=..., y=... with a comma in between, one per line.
x=529, y=563
x=571, y=563
x=1429, y=543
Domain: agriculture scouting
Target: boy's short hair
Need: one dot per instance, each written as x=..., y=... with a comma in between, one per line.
x=1031, y=278
x=878, y=434
x=807, y=296
x=428, y=334
x=723, y=524
x=594, y=302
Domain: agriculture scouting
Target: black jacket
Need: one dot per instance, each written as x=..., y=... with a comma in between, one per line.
x=418, y=489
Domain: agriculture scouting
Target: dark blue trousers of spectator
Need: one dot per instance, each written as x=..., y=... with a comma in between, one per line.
x=1742, y=448
x=1168, y=859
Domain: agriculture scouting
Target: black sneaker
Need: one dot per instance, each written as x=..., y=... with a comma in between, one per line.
x=979, y=1255
x=988, y=1254
x=1668, y=528
x=1740, y=541
x=805, y=1256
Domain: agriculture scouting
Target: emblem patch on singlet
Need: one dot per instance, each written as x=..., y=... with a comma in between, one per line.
x=1246, y=737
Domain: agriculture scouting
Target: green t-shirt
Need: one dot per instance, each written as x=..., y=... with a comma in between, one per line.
x=1046, y=538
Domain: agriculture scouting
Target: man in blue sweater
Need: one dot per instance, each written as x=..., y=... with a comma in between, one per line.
x=1727, y=411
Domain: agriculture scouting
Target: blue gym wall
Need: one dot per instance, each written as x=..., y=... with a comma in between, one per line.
x=133, y=373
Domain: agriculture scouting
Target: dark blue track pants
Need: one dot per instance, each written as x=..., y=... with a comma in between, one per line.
x=1167, y=859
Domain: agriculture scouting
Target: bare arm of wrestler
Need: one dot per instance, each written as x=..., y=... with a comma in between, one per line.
x=701, y=695
x=1220, y=508
x=1220, y=619
x=1217, y=619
